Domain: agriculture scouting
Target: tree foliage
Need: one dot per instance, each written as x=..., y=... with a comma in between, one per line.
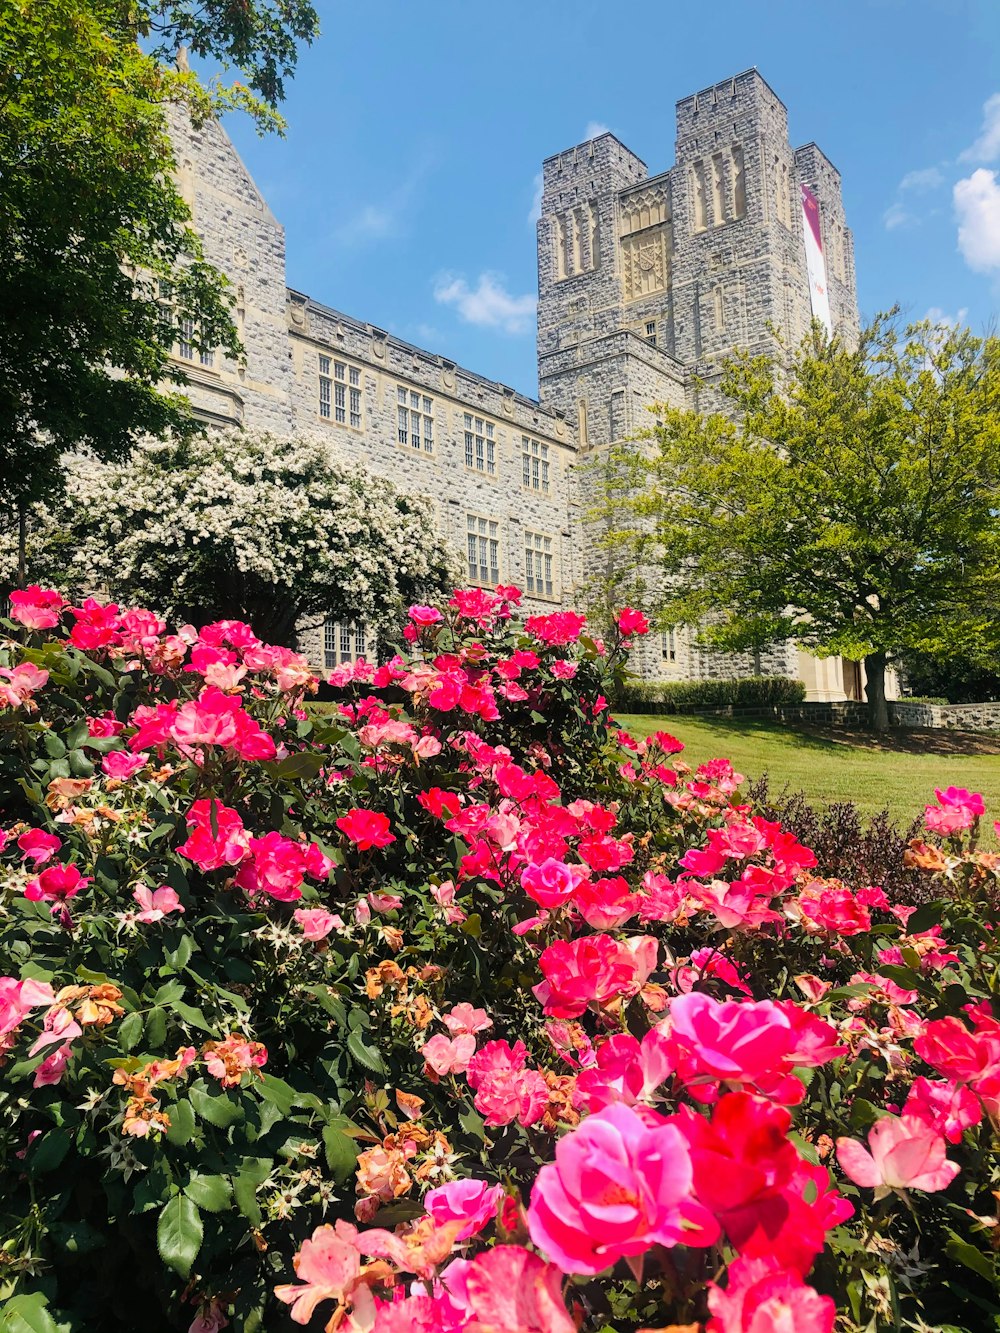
x=850, y=503
x=92, y=224
x=239, y=527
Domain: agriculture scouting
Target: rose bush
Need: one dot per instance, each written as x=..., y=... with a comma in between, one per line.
x=455, y=1007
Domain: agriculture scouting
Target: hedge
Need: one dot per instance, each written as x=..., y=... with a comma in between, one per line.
x=688, y=695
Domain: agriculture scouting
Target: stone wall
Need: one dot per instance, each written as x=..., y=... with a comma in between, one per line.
x=950, y=717
x=384, y=367
x=242, y=237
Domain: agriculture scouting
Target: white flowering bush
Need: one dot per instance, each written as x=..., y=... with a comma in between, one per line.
x=242, y=527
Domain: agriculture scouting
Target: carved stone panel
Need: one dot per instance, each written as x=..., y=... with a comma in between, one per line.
x=645, y=244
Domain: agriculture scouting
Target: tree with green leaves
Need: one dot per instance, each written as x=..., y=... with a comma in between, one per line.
x=91, y=222
x=847, y=497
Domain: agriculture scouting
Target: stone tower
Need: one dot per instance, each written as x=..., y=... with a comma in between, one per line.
x=645, y=283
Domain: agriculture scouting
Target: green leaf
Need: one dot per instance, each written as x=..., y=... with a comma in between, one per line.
x=180, y=956
x=182, y=1122
x=305, y=764
x=53, y=746
x=245, y=1186
x=78, y=734
x=279, y=1093
x=924, y=917
x=965, y=1253
x=220, y=1111
x=27, y=1314
x=366, y=1056
x=49, y=1152
x=193, y=1017
x=179, y=1233
x=341, y=1153
x=472, y=1122
x=156, y=1028
x=213, y=1193
x=169, y=992
x=130, y=1032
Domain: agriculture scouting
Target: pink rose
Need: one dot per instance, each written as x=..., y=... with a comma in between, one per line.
x=36, y=607
x=366, y=829
x=155, y=903
x=465, y=1018
x=216, y=836
x=316, y=922
x=631, y=622
x=38, y=847
x=552, y=883
x=472, y=1202
x=591, y=970
x=617, y=1187
x=760, y=1299
x=56, y=884
x=443, y=1055
x=906, y=1153
x=122, y=765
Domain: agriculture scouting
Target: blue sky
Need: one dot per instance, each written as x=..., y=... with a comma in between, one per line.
x=416, y=133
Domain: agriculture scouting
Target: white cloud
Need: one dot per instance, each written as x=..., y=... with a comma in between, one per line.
x=927, y=178
x=987, y=146
x=977, y=205
x=941, y=317
x=595, y=129
x=896, y=216
x=370, y=223
x=488, y=304
x=536, y=200
x=899, y=213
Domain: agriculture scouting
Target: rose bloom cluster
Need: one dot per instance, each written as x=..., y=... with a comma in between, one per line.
x=686, y=1058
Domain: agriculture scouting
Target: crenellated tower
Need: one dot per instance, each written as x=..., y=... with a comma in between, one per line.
x=646, y=283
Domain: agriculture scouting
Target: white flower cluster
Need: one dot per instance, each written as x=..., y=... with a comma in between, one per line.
x=240, y=526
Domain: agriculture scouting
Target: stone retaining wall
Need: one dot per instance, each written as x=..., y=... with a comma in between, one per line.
x=952, y=717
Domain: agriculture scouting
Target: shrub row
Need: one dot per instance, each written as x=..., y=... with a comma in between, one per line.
x=686, y=695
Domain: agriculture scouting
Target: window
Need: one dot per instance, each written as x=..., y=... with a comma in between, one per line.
x=340, y=391
x=538, y=564
x=415, y=419
x=325, y=386
x=535, y=464
x=651, y=333
x=668, y=646
x=185, y=344
x=483, y=541
x=480, y=445
x=343, y=641
x=186, y=330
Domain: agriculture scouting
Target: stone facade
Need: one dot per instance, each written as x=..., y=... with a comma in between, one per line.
x=645, y=284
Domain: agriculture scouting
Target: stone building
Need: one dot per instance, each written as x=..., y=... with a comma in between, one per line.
x=645, y=283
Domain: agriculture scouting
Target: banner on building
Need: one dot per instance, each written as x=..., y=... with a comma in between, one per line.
x=819, y=296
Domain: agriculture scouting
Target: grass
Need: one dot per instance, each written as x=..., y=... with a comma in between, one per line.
x=898, y=772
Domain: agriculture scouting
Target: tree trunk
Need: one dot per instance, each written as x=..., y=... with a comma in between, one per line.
x=878, y=708
x=22, y=544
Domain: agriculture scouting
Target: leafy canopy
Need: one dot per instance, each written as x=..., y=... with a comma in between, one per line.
x=92, y=225
x=849, y=503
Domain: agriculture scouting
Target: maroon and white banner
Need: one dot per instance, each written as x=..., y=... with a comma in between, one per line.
x=819, y=295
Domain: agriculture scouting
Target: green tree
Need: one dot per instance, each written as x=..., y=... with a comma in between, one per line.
x=849, y=502
x=92, y=226
x=240, y=527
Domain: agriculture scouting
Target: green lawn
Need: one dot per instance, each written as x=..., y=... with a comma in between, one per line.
x=900, y=772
